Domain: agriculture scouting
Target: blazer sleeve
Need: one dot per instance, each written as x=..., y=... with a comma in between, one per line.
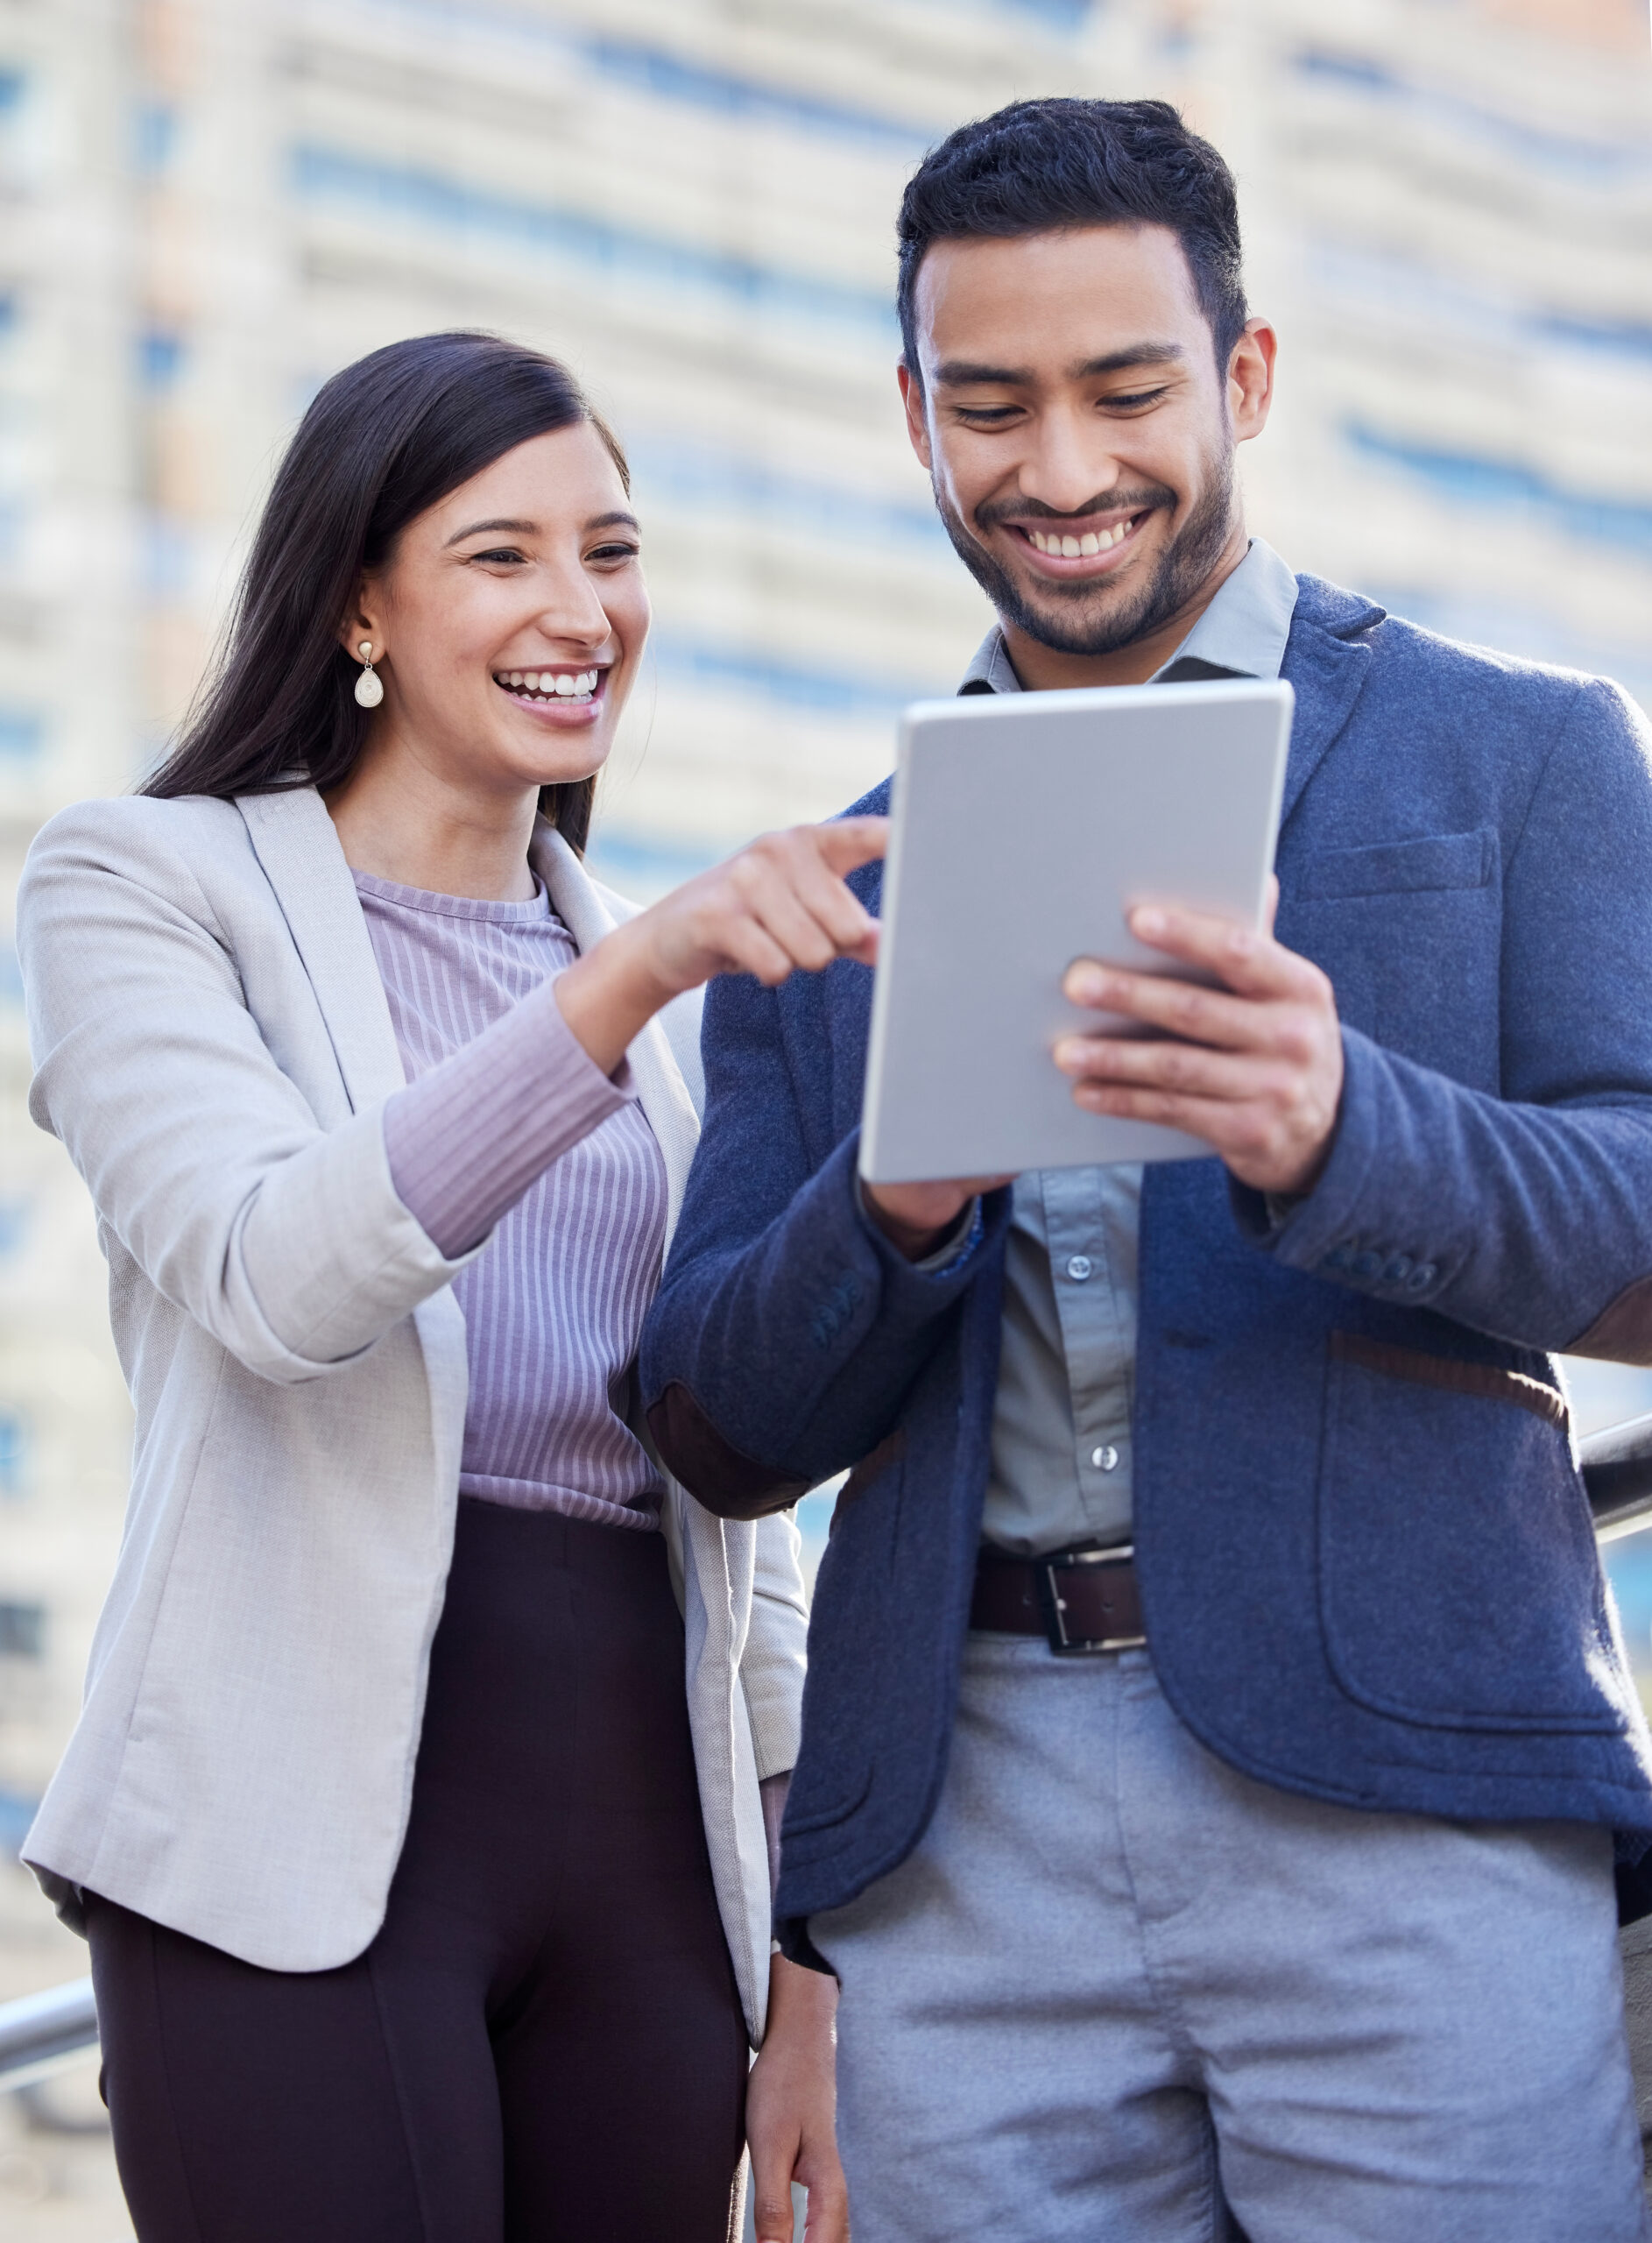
x=286, y=1240
x=1527, y=1216
x=773, y=1664
x=788, y=1330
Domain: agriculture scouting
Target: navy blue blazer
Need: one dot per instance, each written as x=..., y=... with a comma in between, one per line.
x=1363, y=1548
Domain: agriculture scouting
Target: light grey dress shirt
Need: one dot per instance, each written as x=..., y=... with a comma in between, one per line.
x=1061, y=1426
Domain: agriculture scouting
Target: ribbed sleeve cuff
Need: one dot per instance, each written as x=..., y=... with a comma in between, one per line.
x=466, y=1140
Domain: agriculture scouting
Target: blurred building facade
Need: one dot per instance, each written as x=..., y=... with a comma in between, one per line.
x=211, y=204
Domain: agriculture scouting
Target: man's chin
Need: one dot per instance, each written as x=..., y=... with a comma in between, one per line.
x=1091, y=619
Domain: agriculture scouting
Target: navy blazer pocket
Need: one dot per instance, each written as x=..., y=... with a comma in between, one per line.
x=1439, y=1477
x=1432, y=861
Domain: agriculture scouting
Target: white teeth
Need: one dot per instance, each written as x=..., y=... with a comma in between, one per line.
x=1089, y=542
x=1069, y=548
x=559, y=685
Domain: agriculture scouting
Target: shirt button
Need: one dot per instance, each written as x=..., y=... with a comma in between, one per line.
x=1105, y=1459
x=1079, y=1267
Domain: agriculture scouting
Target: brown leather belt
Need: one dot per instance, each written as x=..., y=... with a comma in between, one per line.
x=1079, y=1600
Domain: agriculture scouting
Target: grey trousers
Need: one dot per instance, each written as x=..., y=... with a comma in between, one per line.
x=1118, y=1989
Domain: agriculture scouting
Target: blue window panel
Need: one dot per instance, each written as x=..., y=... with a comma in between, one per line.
x=788, y=683
x=22, y=731
x=720, y=481
x=160, y=356
x=22, y=1630
x=1496, y=482
x=1601, y=162
x=428, y=198
x=15, y=1218
x=13, y=85
x=11, y=1453
x=155, y=137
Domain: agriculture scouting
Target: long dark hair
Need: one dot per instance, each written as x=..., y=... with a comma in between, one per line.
x=382, y=441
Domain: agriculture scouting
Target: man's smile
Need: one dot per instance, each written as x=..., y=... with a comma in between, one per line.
x=1087, y=546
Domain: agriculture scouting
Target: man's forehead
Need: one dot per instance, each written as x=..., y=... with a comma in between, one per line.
x=1079, y=294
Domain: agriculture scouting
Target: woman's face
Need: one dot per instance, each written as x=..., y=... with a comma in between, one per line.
x=510, y=619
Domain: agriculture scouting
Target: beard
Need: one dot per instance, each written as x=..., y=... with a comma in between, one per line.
x=1066, y=617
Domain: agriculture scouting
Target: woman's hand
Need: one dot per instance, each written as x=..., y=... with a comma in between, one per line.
x=779, y=905
x=791, y=2105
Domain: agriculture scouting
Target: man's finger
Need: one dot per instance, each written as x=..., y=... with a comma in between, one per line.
x=1247, y=960
x=1163, y=1065
x=1184, y=1008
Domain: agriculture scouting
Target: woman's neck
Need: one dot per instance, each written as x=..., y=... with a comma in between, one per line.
x=399, y=821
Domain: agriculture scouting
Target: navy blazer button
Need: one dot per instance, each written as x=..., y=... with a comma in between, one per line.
x=1422, y=1278
x=1398, y=1271
x=1366, y=1264
x=1339, y=1256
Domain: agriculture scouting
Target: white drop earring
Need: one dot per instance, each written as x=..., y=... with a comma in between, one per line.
x=370, y=687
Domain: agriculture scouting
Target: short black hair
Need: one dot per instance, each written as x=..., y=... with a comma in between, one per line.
x=1038, y=166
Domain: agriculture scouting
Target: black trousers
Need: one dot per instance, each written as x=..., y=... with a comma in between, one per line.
x=544, y=2043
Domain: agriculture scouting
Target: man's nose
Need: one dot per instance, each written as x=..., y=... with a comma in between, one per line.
x=1071, y=462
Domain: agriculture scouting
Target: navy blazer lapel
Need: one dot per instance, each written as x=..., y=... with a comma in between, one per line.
x=1326, y=667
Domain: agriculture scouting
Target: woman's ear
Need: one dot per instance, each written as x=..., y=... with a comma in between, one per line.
x=363, y=623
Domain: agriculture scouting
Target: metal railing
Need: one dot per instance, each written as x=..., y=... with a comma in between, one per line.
x=43, y=2032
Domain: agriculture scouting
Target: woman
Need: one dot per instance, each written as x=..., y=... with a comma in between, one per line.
x=425, y=1876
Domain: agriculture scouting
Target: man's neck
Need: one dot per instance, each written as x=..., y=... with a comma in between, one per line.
x=1041, y=670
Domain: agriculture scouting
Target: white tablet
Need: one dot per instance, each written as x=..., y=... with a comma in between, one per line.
x=1024, y=827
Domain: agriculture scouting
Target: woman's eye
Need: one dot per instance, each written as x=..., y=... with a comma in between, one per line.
x=499, y=553
x=613, y=553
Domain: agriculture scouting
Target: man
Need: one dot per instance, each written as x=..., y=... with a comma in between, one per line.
x=1251, y=1848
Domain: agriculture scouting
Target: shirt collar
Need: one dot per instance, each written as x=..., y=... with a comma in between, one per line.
x=1243, y=630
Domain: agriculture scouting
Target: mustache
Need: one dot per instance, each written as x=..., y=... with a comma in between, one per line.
x=991, y=512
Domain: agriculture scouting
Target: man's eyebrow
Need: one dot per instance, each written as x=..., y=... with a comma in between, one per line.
x=1138, y=354
x=967, y=373
x=474, y=530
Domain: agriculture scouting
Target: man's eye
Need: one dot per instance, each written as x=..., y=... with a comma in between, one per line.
x=988, y=416
x=1132, y=401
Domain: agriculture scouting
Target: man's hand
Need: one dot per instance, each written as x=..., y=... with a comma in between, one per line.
x=914, y=1218
x=1254, y=1067
x=791, y=2103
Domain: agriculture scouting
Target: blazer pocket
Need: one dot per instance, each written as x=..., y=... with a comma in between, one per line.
x=1432, y=862
x=1460, y=1586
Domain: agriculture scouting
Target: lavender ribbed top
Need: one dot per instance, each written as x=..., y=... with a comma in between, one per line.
x=507, y=1122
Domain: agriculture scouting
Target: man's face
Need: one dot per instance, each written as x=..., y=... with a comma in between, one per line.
x=1078, y=430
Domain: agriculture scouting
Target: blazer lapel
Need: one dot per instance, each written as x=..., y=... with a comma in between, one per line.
x=297, y=844
x=661, y=1089
x=1327, y=671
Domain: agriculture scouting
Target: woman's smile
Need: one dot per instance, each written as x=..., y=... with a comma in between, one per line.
x=558, y=693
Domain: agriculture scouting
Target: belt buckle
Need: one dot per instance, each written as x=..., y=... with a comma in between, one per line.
x=1055, y=1607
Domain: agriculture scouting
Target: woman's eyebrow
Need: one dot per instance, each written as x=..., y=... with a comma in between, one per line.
x=474, y=529
x=616, y=521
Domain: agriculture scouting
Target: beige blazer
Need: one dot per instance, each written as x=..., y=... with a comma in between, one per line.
x=212, y=1047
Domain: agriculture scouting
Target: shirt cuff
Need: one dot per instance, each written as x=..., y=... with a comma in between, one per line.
x=467, y=1139
x=957, y=1242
